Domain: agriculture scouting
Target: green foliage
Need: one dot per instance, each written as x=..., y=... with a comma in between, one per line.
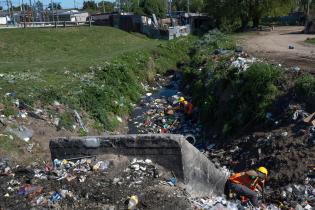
x=194, y=6
x=118, y=84
x=9, y=108
x=305, y=88
x=310, y=40
x=156, y=7
x=99, y=6
x=89, y=5
x=82, y=132
x=145, y=7
x=54, y=6
x=227, y=98
x=230, y=14
x=12, y=147
x=72, y=67
x=67, y=120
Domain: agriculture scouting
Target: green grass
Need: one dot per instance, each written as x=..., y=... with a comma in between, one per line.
x=310, y=40
x=88, y=69
x=49, y=53
x=70, y=48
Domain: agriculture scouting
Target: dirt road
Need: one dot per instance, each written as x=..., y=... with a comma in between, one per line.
x=274, y=46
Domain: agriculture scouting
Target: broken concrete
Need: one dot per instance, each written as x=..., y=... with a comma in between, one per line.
x=173, y=152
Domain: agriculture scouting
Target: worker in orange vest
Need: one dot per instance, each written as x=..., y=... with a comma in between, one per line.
x=245, y=184
x=185, y=106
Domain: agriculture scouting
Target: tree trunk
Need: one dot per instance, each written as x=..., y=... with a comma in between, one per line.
x=245, y=22
x=256, y=21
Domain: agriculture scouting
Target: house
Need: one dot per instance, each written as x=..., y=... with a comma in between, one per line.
x=103, y=19
x=69, y=15
x=4, y=18
x=177, y=24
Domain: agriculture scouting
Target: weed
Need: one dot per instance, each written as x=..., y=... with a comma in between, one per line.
x=67, y=120
x=305, y=88
x=229, y=99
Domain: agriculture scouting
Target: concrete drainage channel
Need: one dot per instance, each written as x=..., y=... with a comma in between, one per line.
x=173, y=152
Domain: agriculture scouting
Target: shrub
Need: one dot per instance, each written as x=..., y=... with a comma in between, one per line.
x=305, y=88
x=227, y=98
x=305, y=85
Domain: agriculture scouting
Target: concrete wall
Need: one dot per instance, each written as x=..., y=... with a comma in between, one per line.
x=170, y=151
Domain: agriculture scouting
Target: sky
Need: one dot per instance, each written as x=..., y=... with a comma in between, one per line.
x=64, y=3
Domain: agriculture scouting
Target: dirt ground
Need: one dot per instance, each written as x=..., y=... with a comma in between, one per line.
x=274, y=46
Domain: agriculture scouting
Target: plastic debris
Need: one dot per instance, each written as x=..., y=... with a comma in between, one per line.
x=55, y=197
x=21, y=132
x=133, y=202
x=172, y=181
x=79, y=120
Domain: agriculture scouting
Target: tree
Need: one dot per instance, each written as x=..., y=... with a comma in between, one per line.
x=54, y=6
x=194, y=5
x=156, y=7
x=197, y=6
x=39, y=6
x=229, y=12
x=89, y=5
x=106, y=6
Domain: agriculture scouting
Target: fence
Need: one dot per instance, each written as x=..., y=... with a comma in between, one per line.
x=51, y=24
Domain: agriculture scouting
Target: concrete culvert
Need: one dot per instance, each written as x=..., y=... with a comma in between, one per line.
x=173, y=152
x=191, y=139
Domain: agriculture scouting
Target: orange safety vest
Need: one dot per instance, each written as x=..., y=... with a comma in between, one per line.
x=244, y=179
x=186, y=107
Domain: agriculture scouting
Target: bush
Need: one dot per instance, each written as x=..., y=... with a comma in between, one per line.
x=227, y=98
x=305, y=88
x=116, y=85
x=67, y=120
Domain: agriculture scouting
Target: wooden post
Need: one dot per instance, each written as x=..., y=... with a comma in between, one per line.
x=55, y=24
x=90, y=22
x=64, y=24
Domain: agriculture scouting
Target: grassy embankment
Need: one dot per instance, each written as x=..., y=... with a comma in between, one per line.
x=231, y=100
x=97, y=70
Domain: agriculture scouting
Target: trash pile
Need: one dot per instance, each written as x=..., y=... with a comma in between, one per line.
x=158, y=113
x=287, y=151
x=89, y=183
x=137, y=173
x=216, y=203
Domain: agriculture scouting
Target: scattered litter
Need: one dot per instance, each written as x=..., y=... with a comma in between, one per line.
x=79, y=120
x=133, y=202
x=119, y=119
x=172, y=181
x=55, y=197
x=21, y=132
x=291, y=47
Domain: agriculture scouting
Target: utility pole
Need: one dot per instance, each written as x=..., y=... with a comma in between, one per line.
x=8, y=5
x=52, y=10
x=74, y=4
x=24, y=15
x=20, y=5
